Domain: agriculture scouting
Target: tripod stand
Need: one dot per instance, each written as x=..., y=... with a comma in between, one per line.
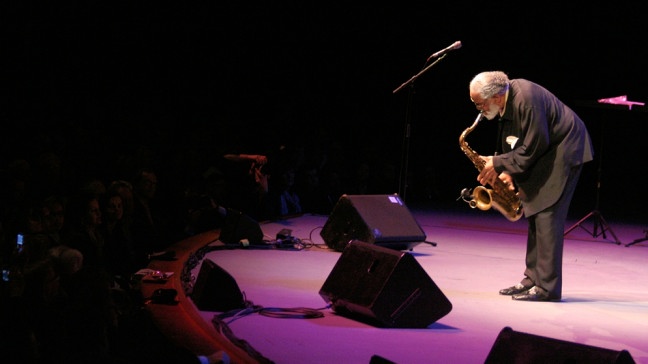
x=600, y=225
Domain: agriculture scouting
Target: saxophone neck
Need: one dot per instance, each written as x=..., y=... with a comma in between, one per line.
x=479, y=118
x=468, y=130
x=475, y=123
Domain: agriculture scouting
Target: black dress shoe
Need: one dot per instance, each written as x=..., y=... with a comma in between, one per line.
x=534, y=294
x=517, y=289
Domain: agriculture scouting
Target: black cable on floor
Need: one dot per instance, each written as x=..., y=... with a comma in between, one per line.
x=295, y=312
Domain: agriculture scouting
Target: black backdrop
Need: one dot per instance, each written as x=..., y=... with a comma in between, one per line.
x=94, y=77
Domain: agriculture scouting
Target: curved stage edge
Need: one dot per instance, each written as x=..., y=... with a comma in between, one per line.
x=182, y=323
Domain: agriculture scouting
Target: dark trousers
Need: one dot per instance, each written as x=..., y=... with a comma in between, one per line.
x=545, y=239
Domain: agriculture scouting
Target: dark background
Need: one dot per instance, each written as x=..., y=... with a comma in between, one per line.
x=95, y=79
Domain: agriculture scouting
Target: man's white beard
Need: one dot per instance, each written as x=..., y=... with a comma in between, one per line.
x=492, y=112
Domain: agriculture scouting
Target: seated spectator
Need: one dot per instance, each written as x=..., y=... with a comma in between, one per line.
x=313, y=196
x=125, y=190
x=54, y=218
x=150, y=226
x=85, y=234
x=118, y=241
x=247, y=180
x=37, y=317
x=91, y=319
x=282, y=199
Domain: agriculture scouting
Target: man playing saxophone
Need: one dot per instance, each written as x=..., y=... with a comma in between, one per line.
x=541, y=148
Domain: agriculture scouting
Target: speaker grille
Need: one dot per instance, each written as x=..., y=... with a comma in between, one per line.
x=519, y=347
x=216, y=290
x=375, y=219
x=383, y=287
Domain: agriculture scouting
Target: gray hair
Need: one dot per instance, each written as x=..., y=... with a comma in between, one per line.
x=490, y=83
x=69, y=260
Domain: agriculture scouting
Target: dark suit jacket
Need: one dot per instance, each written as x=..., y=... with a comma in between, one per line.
x=551, y=139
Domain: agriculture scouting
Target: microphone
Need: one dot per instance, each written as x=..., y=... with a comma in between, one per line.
x=453, y=46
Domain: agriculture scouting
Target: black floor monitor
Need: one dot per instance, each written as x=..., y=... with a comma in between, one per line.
x=375, y=219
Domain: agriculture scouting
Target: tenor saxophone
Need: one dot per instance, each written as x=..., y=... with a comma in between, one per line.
x=499, y=197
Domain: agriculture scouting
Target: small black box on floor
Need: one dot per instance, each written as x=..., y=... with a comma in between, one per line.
x=518, y=347
x=374, y=219
x=216, y=290
x=383, y=287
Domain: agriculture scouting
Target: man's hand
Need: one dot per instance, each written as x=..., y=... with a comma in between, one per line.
x=508, y=180
x=488, y=174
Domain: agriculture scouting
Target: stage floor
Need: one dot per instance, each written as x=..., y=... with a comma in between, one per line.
x=604, y=304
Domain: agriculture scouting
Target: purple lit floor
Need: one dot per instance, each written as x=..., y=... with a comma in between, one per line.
x=604, y=305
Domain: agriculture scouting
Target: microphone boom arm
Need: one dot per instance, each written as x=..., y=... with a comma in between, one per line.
x=411, y=80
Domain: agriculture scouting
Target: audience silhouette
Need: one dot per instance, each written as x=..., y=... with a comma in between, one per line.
x=69, y=297
x=149, y=222
x=119, y=250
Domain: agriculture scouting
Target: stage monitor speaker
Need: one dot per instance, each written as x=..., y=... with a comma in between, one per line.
x=216, y=290
x=374, y=219
x=518, y=347
x=383, y=287
x=238, y=226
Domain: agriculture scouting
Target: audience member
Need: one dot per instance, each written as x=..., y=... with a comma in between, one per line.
x=29, y=226
x=213, y=183
x=334, y=171
x=68, y=260
x=202, y=214
x=119, y=251
x=94, y=186
x=16, y=202
x=125, y=190
x=247, y=180
x=91, y=319
x=283, y=201
x=86, y=234
x=149, y=224
x=53, y=211
x=314, y=198
x=49, y=175
x=18, y=181
x=35, y=317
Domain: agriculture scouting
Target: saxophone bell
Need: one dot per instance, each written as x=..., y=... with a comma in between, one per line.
x=481, y=198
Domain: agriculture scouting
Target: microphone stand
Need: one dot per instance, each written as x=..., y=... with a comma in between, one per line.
x=402, y=182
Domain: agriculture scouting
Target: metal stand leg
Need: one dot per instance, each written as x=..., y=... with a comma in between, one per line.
x=599, y=223
x=637, y=241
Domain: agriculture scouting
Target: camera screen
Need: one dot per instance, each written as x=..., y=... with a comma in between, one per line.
x=19, y=242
